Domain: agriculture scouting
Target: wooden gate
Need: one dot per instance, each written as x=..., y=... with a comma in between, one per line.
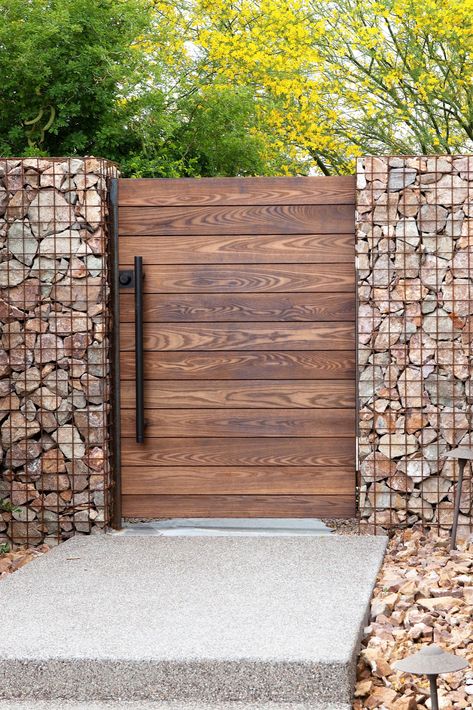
x=249, y=347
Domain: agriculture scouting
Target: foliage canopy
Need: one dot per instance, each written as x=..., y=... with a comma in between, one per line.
x=225, y=87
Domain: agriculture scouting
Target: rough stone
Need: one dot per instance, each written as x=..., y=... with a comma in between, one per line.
x=69, y=441
x=432, y=218
x=21, y=242
x=389, y=332
x=439, y=325
x=376, y=467
x=49, y=212
x=17, y=427
x=461, y=265
x=67, y=322
x=406, y=230
x=64, y=244
x=458, y=297
x=449, y=190
x=49, y=348
x=409, y=202
x=58, y=381
x=53, y=462
x=432, y=271
x=400, y=178
x=434, y=489
x=12, y=273
x=444, y=390
x=44, y=398
x=442, y=246
x=396, y=445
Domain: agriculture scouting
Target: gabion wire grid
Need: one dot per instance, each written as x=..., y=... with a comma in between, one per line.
x=415, y=311
x=54, y=356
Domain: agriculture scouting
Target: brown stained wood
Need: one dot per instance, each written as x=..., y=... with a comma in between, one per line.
x=243, y=394
x=333, y=424
x=270, y=219
x=249, y=343
x=237, y=191
x=272, y=480
x=218, y=506
x=227, y=365
x=240, y=336
x=243, y=307
x=249, y=278
x=244, y=451
x=247, y=249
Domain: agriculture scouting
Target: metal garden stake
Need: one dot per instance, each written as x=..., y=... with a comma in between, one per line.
x=462, y=454
x=431, y=661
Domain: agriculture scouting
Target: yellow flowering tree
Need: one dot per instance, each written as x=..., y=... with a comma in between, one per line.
x=333, y=79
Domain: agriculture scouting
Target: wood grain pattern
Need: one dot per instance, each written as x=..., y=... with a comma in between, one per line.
x=237, y=191
x=271, y=219
x=216, y=506
x=241, y=336
x=243, y=394
x=249, y=343
x=247, y=249
x=244, y=451
x=234, y=365
x=331, y=423
x=270, y=480
x=242, y=307
x=250, y=278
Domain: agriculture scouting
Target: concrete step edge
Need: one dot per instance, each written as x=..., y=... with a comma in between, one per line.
x=246, y=681
x=149, y=705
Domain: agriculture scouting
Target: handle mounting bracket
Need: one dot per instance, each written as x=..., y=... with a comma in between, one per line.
x=126, y=278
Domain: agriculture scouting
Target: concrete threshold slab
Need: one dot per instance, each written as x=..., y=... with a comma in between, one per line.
x=217, y=527
x=191, y=620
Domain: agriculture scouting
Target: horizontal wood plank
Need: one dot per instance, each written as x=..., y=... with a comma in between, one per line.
x=245, y=452
x=309, y=480
x=247, y=249
x=228, y=365
x=330, y=423
x=270, y=219
x=243, y=307
x=243, y=394
x=251, y=278
x=237, y=191
x=241, y=336
x=214, y=506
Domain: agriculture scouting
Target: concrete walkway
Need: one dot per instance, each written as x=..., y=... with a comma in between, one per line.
x=199, y=621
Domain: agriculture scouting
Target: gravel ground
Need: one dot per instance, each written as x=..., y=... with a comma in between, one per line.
x=343, y=526
x=13, y=560
x=424, y=595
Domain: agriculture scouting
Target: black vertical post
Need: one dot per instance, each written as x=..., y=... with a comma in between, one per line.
x=434, y=698
x=458, y=497
x=115, y=359
x=139, y=375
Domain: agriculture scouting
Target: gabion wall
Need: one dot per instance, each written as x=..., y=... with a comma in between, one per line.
x=54, y=355
x=415, y=327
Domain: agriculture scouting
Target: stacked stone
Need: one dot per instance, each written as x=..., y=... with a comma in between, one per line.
x=54, y=349
x=415, y=327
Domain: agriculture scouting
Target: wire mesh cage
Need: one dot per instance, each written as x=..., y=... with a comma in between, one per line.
x=54, y=354
x=415, y=328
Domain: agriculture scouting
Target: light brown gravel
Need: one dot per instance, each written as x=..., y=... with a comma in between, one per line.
x=13, y=560
x=424, y=594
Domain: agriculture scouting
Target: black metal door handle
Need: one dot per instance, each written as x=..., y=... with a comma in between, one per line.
x=139, y=374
